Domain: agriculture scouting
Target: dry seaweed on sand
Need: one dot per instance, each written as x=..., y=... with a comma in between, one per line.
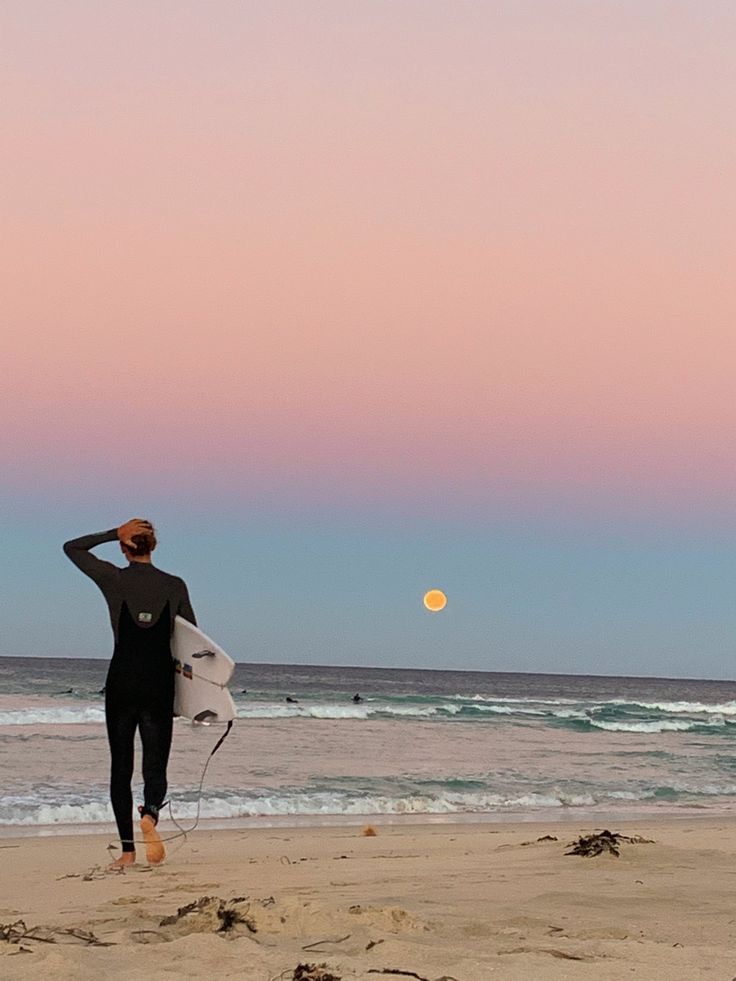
x=225, y=913
x=313, y=972
x=603, y=841
x=14, y=933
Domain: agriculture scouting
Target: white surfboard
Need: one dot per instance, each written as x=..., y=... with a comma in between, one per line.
x=203, y=671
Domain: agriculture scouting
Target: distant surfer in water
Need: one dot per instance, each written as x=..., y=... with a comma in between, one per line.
x=139, y=690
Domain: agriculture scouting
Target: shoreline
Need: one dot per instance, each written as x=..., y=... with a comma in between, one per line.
x=564, y=817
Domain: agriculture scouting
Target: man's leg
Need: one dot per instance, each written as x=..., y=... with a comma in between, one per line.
x=156, y=730
x=121, y=723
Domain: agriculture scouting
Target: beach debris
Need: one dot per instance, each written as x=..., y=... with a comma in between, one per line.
x=369, y=831
x=96, y=872
x=397, y=970
x=149, y=936
x=552, y=951
x=318, y=943
x=14, y=933
x=313, y=972
x=604, y=841
x=210, y=914
x=408, y=974
x=543, y=838
x=307, y=972
x=374, y=943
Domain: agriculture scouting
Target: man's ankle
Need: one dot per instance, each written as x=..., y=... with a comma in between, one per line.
x=149, y=810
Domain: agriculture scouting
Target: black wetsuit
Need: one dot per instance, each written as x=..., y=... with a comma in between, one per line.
x=139, y=691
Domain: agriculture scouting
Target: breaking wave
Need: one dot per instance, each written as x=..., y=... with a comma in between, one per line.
x=51, y=716
x=72, y=809
x=663, y=725
x=615, y=715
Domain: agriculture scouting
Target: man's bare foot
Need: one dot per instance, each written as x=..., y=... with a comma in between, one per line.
x=155, y=851
x=126, y=859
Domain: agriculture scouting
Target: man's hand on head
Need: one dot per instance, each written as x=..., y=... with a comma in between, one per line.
x=136, y=526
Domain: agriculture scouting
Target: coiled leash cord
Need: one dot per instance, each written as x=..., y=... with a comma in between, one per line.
x=182, y=832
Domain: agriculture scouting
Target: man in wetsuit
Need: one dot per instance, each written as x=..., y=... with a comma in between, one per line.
x=139, y=692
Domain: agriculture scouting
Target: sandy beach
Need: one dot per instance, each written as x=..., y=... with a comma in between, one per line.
x=456, y=901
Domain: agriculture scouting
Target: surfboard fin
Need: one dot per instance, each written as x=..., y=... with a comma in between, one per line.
x=205, y=717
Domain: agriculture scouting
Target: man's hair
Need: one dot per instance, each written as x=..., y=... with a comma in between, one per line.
x=143, y=544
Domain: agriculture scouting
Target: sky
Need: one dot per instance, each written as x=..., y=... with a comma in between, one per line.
x=357, y=299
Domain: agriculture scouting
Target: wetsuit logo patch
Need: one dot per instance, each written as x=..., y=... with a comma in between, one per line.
x=145, y=617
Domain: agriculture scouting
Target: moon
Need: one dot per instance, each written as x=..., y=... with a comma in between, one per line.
x=435, y=600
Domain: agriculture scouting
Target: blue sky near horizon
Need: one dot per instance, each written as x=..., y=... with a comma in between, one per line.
x=274, y=586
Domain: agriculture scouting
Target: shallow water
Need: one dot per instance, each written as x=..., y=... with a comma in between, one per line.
x=420, y=743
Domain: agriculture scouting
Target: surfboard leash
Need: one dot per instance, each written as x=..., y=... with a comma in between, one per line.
x=183, y=832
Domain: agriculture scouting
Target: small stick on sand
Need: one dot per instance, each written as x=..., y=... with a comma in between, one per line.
x=318, y=943
x=396, y=970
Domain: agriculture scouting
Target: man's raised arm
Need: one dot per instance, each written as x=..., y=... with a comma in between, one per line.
x=78, y=550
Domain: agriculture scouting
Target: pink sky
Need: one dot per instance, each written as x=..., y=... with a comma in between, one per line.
x=377, y=243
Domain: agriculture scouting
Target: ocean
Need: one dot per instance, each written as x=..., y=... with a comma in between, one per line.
x=440, y=745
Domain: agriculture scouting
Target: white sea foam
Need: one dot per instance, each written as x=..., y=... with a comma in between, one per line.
x=81, y=715
x=52, y=716
x=299, y=711
x=691, y=708
x=97, y=812
x=26, y=811
x=517, y=701
x=706, y=790
x=495, y=709
x=664, y=725
x=507, y=710
x=715, y=715
x=47, y=805
x=293, y=803
x=575, y=713
x=306, y=710
x=451, y=709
